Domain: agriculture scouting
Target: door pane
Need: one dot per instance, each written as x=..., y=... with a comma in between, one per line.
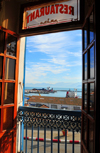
x=0, y=92
x=2, y=35
x=92, y=62
x=10, y=69
x=85, y=36
x=84, y=128
x=11, y=45
x=7, y=118
x=91, y=137
x=91, y=27
x=85, y=66
x=91, y=108
x=1, y=66
x=85, y=97
x=9, y=93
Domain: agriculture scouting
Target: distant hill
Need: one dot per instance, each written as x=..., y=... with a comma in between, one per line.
x=56, y=85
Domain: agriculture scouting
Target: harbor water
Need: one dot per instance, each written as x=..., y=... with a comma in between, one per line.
x=61, y=92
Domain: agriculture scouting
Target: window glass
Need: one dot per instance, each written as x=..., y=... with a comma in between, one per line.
x=1, y=66
x=11, y=45
x=0, y=92
x=85, y=36
x=2, y=34
x=85, y=66
x=85, y=97
x=7, y=118
x=91, y=27
x=92, y=62
x=91, y=108
x=10, y=69
x=91, y=137
x=9, y=93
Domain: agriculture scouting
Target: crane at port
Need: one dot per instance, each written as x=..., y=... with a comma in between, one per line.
x=38, y=92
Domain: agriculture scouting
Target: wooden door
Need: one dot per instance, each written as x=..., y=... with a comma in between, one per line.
x=88, y=84
x=9, y=53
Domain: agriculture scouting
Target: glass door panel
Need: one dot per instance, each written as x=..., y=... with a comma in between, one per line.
x=11, y=45
x=2, y=35
x=1, y=66
x=0, y=91
x=91, y=27
x=10, y=69
x=9, y=93
x=85, y=31
x=92, y=62
x=85, y=97
x=7, y=118
x=91, y=137
x=85, y=66
x=91, y=108
x=85, y=129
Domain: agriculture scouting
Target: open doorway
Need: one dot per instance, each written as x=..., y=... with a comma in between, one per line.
x=54, y=69
x=53, y=81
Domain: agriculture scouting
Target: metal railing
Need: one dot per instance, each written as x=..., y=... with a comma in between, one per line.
x=48, y=118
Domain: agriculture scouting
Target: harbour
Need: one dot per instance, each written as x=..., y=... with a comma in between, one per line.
x=56, y=92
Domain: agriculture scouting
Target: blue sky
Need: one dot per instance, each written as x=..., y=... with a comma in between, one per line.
x=54, y=58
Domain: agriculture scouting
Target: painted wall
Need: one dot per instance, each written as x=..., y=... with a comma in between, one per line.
x=21, y=71
x=9, y=15
x=59, y=106
x=20, y=85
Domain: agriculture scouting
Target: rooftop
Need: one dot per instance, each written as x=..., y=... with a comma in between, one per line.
x=56, y=100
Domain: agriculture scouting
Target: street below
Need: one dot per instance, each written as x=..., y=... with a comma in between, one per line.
x=77, y=147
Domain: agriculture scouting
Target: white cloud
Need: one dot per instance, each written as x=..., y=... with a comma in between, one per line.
x=61, y=52
x=77, y=54
x=30, y=51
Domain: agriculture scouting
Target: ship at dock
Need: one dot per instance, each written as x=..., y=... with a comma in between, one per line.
x=71, y=94
x=41, y=91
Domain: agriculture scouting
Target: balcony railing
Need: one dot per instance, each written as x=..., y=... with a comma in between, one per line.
x=36, y=118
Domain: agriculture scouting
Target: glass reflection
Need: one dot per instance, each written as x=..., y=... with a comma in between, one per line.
x=92, y=62
x=1, y=66
x=85, y=39
x=85, y=36
x=2, y=34
x=91, y=20
x=9, y=93
x=84, y=129
x=85, y=97
x=91, y=136
x=92, y=99
x=85, y=66
x=11, y=45
x=0, y=92
x=64, y=12
x=10, y=69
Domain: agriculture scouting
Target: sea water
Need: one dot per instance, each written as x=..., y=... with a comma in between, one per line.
x=56, y=94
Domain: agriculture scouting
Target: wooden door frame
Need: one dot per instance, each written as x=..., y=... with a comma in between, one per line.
x=3, y=81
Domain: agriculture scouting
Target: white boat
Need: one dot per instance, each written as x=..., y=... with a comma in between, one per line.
x=71, y=94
